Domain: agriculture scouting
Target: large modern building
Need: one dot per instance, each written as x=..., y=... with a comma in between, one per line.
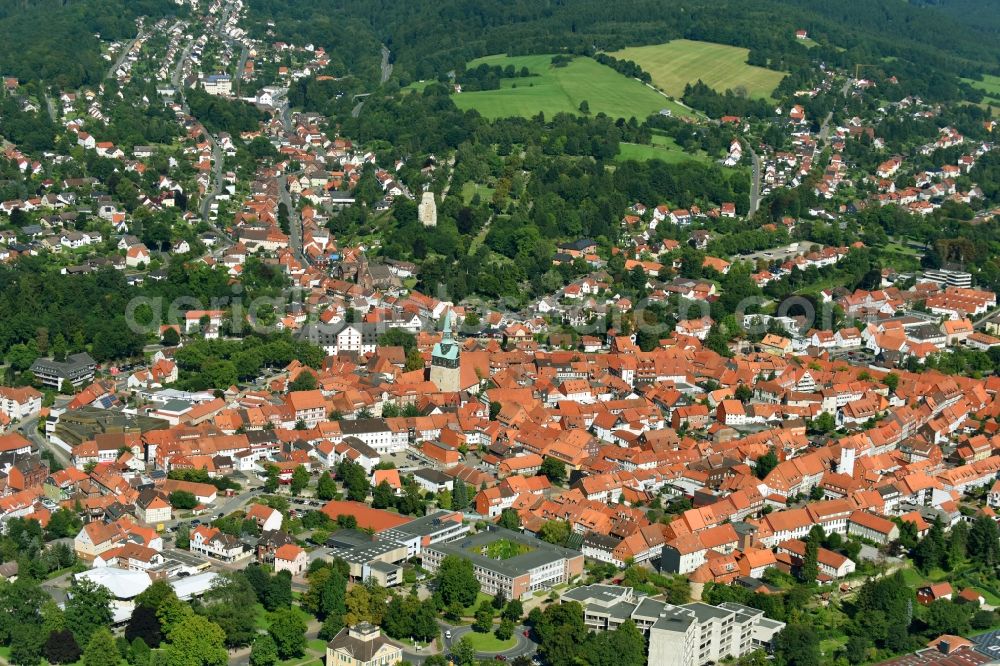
x=688, y=635
x=379, y=557
x=434, y=528
x=509, y=563
x=76, y=370
x=949, y=278
x=363, y=552
x=218, y=84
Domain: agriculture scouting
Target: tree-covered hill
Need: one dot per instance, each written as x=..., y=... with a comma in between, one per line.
x=429, y=39
x=60, y=42
x=980, y=15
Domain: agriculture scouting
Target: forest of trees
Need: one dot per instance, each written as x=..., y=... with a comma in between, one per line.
x=728, y=103
x=218, y=114
x=47, y=313
x=428, y=41
x=67, y=53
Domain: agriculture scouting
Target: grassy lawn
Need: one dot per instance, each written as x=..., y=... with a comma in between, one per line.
x=989, y=85
x=675, y=64
x=912, y=577
x=963, y=576
x=830, y=646
x=261, y=617
x=664, y=148
x=263, y=620
x=489, y=642
x=503, y=549
x=317, y=644
x=480, y=598
x=552, y=90
x=901, y=249
x=470, y=189
x=825, y=283
x=418, y=86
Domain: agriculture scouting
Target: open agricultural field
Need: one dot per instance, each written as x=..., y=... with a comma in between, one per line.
x=675, y=64
x=989, y=85
x=663, y=148
x=552, y=90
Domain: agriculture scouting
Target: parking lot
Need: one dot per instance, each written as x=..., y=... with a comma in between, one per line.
x=778, y=254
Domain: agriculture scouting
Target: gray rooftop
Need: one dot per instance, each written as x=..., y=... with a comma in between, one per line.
x=705, y=612
x=602, y=595
x=384, y=567
x=423, y=526
x=363, y=553
x=649, y=609
x=541, y=553
x=432, y=475
x=176, y=406
x=674, y=619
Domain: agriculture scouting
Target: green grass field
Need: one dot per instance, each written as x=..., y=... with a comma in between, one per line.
x=675, y=64
x=504, y=549
x=664, y=148
x=552, y=90
x=989, y=85
x=489, y=642
x=480, y=598
x=470, y=190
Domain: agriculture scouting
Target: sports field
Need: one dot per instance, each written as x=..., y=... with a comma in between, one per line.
x=675, y=64
x=552, y=90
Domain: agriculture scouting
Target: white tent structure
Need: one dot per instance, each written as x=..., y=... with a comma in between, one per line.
x=122, y=583
x=126, y=585
x=194, y=586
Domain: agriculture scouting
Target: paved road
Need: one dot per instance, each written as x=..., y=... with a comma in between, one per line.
x=123, y=55
x=755, y=176
x=29, y=428
x=386, y=68
x=175, y=78
x=215, y=183
x=244, y=54
x=294, y=221
x=48, y=104
x=992, y=315
x=824, y=129
x=284, y=111
x=224, y=505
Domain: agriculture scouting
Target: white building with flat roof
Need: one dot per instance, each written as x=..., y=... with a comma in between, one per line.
x=690, y=635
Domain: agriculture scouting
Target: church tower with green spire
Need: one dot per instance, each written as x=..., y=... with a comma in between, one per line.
x=446, y=361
